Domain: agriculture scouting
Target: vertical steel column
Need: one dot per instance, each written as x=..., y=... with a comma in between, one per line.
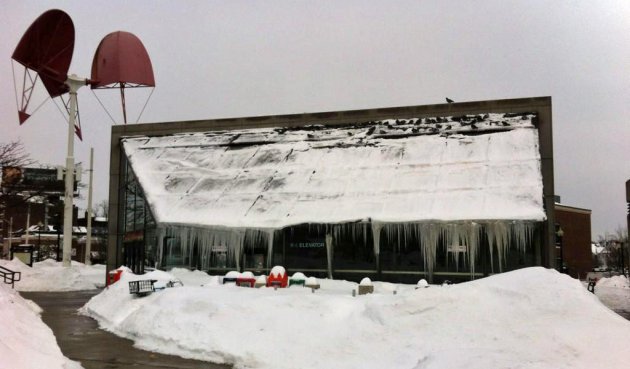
x=74, y=83
x=88, y=242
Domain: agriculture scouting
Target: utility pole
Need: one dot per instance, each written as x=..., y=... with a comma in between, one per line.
x=28, y=220
x=628, y=220
x=74, y=83
x=10, y=233
x=88, y=242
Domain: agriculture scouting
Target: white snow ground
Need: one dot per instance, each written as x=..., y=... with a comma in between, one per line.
x=614, y=292
x=51, y=276
x=530, y=318
x=25, y=341
x=534, y=318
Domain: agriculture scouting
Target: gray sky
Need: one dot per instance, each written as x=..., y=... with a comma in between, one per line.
x=217, y=59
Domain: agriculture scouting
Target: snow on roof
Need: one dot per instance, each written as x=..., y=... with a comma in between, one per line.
x=474, y=167
x=598, y=249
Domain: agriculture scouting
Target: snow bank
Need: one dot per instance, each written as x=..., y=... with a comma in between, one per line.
x=193, y=277
x=25, y=341
x=532, y=317
x=617, y=281
x=614, y=292
x=51, y=276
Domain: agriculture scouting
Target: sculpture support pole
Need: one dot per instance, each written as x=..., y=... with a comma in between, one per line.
x=88, y=242
x=74, y=83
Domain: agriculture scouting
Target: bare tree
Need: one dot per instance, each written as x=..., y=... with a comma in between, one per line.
x=102, y=209
x=615, y=252
x=13, y=154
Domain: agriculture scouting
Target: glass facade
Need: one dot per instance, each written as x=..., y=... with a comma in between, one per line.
x=304, y=248
x=139, y=241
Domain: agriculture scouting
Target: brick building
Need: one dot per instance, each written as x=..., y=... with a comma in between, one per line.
x=574, y=246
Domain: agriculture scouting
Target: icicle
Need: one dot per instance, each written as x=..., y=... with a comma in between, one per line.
x=523, y=232
x=473, y=245
x=376, y=236
x=329, y=252
x=270, y=235
x=429, y=235
x=498, y=234
x=365, y=225
x=160, y=245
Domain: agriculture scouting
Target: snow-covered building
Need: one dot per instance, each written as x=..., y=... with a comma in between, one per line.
x=449, y=191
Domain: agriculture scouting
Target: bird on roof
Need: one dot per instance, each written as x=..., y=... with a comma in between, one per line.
x=449, y=100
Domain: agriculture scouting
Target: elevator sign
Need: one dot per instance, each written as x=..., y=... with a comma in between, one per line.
x=307, y=245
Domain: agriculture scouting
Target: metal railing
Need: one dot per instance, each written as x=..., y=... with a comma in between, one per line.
x=9, y=276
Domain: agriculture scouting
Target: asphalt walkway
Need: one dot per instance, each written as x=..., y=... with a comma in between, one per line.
x=80, y=339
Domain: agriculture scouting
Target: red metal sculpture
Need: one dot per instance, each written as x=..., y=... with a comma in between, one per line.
x=121, y=61
x=46, y=49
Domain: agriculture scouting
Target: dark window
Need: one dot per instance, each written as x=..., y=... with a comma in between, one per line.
x=305, y=248
x=353, y=249
x=400, y=250
x=255, y=251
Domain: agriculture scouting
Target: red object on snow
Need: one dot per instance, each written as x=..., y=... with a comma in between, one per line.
x=114, y=276
x=278, y=279
x=245, y=282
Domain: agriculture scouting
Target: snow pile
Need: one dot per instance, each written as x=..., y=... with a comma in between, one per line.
x=532, y=317
x=25, y=341
x=278, y=271
x=193, y=277
x=614, y=292
x=617, y=281
x=50, y=275
x=298, y=276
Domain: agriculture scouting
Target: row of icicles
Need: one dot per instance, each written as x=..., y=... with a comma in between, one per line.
x=501, y=236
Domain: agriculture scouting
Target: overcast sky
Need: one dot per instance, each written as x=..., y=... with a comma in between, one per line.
x=216, y=59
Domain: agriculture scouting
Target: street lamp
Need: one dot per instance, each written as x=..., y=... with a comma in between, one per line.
x=559, y=235
x=39, y=240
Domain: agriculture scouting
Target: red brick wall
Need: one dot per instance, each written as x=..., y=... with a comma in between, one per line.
x=576, y=225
